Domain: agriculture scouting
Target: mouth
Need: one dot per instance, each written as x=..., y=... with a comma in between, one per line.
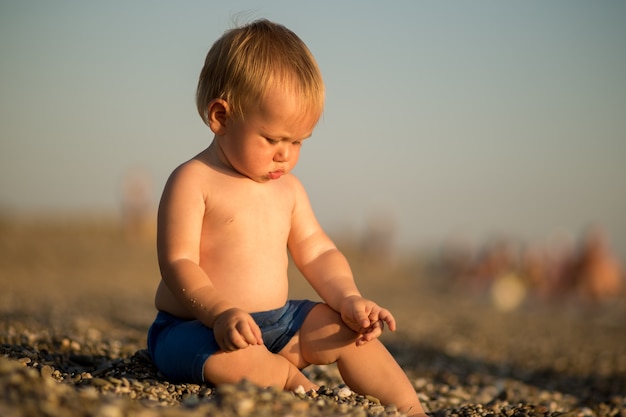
x=274, y=175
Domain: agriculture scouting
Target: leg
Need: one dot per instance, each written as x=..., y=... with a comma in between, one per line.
x=367, y=369
x=257, y=365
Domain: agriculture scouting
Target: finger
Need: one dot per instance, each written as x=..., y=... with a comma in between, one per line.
x=223, y=345
x=256, y=330
x=388, y=318
x=371, y=333
x=351, y=321
x=362, y=318
x=255, y=337
x=237, y=341
x=223, y=341
x=374, y=331
x=368, y=337
x=227, y=345
x=246, y=330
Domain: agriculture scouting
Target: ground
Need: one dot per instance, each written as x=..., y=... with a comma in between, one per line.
x=76, y=302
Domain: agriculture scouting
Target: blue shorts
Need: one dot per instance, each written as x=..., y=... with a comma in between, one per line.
x=179, y=347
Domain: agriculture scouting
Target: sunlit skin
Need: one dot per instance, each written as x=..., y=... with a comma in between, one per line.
x=226, y=218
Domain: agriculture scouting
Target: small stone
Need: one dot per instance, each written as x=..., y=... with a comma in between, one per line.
x=190, y=400
x=100, y=382
x=244, y=406
x=115, y=381
x=226, y=389
x=372, y=399
x=46, y=371
x=344, y=392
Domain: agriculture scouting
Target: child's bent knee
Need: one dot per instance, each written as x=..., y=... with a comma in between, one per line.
x=324, y=320
x=325, y=337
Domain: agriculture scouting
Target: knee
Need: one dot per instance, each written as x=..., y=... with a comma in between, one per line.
x=325, y=337
x=327, y=323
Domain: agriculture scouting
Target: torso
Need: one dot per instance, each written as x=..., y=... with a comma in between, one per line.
x=243, y=243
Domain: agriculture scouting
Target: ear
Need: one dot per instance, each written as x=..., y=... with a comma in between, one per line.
x=218, y=113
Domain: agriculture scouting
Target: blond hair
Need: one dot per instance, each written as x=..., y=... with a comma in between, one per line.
x=246, y=61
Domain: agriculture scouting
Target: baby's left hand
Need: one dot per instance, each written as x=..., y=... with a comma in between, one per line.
x=366, y=318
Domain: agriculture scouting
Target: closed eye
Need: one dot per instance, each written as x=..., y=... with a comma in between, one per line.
x=276, y=141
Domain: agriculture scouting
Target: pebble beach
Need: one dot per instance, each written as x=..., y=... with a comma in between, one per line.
x=76, y=303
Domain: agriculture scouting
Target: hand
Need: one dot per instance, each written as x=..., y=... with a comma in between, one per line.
x=366, y=318
x=235, y=329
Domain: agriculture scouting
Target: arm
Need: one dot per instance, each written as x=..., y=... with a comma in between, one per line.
x=329, y=273
x=181, y=214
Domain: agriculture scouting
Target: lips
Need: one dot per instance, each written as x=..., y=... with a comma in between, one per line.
x=274, y=175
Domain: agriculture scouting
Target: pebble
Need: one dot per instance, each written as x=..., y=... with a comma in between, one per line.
x=344, y=392
x=85, y=384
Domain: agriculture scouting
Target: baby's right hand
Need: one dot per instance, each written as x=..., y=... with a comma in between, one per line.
x=235, y=329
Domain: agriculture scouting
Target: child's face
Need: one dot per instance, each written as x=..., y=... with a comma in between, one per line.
x=266, y=144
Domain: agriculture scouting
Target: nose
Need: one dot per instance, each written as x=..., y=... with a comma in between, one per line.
x=282, y=154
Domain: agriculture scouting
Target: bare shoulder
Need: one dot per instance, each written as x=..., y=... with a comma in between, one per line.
x=303, y=220
x=191, y=169
x=296, y=187
x=193, y=174
x=297, y=194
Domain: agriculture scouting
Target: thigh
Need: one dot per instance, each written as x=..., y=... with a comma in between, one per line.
x=322, y=335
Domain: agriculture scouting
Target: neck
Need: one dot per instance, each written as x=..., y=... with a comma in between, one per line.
x=215, y=157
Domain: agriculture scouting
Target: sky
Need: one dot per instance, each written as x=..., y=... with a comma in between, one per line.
x=454, y=119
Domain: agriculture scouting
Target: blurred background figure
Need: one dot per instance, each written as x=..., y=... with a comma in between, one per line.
x=537, y=269
x=497, y=259
x=138, y=212
x=596, y=274
x=511, y=275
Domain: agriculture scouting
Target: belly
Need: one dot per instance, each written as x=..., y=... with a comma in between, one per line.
x=256, y=295
x=247, y=263
x=253, y=296
x=252, y=277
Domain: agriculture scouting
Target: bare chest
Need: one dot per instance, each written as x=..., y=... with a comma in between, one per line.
x=255, y=215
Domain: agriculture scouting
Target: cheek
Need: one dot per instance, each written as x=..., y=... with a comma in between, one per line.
x=260, y=156
x=295, y=156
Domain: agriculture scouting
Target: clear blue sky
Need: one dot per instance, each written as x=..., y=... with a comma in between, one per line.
x=456, y=117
